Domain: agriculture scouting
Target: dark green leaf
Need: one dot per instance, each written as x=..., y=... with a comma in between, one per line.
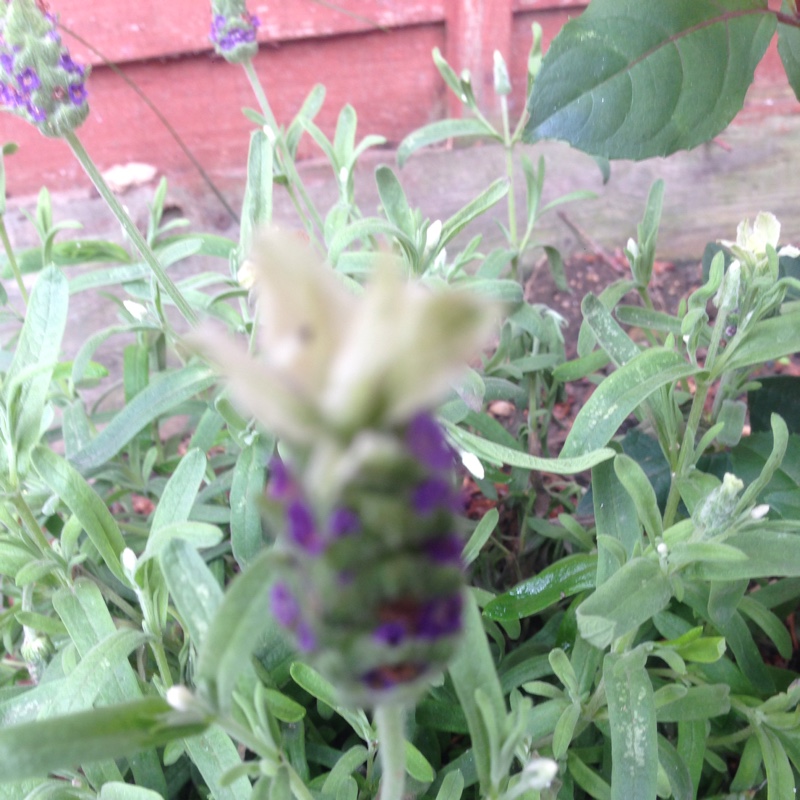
x=789, y=50
x=565, y=578
x=615, y=82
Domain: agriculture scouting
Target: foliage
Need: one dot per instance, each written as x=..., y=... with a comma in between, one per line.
x=632, y=79
x=623, y=634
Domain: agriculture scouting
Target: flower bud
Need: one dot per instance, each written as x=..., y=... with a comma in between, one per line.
x=233, y=30
x=502, y=83
x=39, y=81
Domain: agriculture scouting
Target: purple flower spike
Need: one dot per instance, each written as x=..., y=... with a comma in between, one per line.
x=302, y=528
x=391, y=633
x=425, y=441
x=281, y=486
x=28, y=81
x=77, y=94
x=433, y=494
x=446, y=549
x=343, y=522
x=283, y=605
x=306, y=641
x=441, y=617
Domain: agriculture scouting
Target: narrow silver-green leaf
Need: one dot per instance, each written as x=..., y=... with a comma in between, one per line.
x=632, y=720
x=249, y=477
x=619, y=395
x=629, y=598
x=439, y=132
x=480, y=535
x=482, y=203
x=100, y=526
x=163, y=394
x=214, y=754
x=180, y=493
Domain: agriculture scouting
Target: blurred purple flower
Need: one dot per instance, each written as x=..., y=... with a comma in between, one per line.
x=425, y=441
x=283, y=604
x=441, y=617
x=343, y=522
x=433, y=494
x=303, y=529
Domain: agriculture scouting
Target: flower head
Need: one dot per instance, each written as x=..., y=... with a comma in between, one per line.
x=39, y=81
x=233, y=30
x=373, y=588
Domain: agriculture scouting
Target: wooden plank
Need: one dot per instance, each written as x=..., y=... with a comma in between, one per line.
x=475, y=29
x=155, y=28
x=390, y=79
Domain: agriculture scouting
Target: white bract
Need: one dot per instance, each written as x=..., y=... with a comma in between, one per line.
x=330, y=362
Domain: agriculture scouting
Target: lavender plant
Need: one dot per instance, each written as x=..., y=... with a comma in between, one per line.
x=285, y=600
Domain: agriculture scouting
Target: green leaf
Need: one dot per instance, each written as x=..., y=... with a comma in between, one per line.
x=68, y=484
x=629, y=79
x=480, y=535
x=125, y=791
x=615, y=516
x=257, y=205
x=475, y=208
x=766, y=340
x=439, y=132
x=565, y=578
x=37, y=748
x=698, y=702
x=780, y=778
x=629, y=598
x=39, y=345
x=163, y=395
x=195, y=591
x=309, y=679
x=471, y=670
x=500, y=454
x=394, y=201
x=619, y=395
x=633, y=478
x=180, y=492
x=789, y=50
x=214, y=754
x=249, y=477
x=680, y=780
x=239, y=624
x=452, y=786
x=417, y=766
x=632, y=720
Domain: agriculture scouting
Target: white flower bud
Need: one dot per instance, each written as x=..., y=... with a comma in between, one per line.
x=180, y=698
x=662, y=549
x=502, y=83
x=129, y=560
x=433, y=234
x=759, y=512
x=473, y=464
x=136, y=310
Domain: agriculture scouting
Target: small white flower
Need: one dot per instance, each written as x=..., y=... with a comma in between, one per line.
x=632, y=249
x=136, y=310
x=180, y=698
x=432, y=235
x=472, y=463
x=129, y=560
x=662, y=549
x=759, y=512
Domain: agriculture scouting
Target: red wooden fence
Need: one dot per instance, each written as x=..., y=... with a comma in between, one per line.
x=374, y=54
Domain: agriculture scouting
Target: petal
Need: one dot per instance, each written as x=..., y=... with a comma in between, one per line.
x=304, y=310
x=257, y=389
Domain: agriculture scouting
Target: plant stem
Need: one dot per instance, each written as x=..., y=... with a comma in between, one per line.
x=130, y=229
x=508, y=146
x=287, y=162
x=686, y=455
x=12, y=259
x=390, y=720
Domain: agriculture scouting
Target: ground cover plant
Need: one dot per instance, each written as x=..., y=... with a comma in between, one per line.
x=304, y=560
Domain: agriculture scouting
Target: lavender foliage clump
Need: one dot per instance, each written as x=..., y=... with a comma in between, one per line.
x=233, y=30
x=39, y=80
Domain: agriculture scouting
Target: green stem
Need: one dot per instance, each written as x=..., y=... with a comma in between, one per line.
x=12, y=259
x=508, y=146
x=31, y=526
x=287, y=162
x=130, y=229
x=686, y=455
x=390, y=720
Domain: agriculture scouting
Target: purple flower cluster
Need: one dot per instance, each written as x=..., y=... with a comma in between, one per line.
x=286, y=610
x=229, y=35
x=39, y=80
x=431, y=619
